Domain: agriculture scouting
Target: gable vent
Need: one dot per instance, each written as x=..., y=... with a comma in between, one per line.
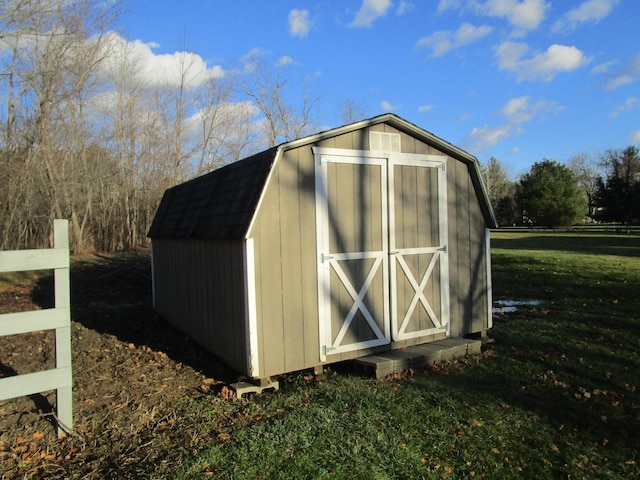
x=384, y=142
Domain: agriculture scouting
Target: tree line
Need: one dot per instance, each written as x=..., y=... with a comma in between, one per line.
x=602, y=187
x=85, y=136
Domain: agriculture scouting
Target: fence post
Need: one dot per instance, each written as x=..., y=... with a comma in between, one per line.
x=64, y=395
x=57, y=319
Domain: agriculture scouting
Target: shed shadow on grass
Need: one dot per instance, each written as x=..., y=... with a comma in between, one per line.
x=112, y=295
x=591, y=243
x=573, y=367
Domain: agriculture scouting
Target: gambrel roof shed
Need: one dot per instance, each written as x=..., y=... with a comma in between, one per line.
x=360, y=239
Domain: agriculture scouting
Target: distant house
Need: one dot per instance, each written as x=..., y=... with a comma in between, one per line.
x=368, y=237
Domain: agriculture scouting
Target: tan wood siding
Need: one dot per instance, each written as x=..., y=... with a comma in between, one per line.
x=478, y=271
x=291, y=253
x=286, y=272
x=467, y=257
x=355, y=207
x=199, y=289
x=199, y=284
x=286, y=284
x=468, y=297
x=455, y=221
x=269, y=289
x=416, y=225
x=309, y=281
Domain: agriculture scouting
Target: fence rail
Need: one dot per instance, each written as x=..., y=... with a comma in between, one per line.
x=57, y=318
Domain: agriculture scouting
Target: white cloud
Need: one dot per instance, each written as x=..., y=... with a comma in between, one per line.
x=635, y=137
x=467, y=33
x=591, y=11
x=388, y=107
x=299, y=22
x=543, y=66
x=284, y=60
x=226, y=113
x=523, y=14
x=425, y=108
x=157, y=69
x=404, y=7
x=369, y=11
x=516, y=111
x=603, y=67
x=520, y=110
x=313, y=76
x=445, y=40
x=483, y=137
x=629, y=104
x=527, y=14
x=446, y=4
x=629, y=73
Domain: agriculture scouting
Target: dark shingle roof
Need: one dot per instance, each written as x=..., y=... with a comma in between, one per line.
x=219, y=204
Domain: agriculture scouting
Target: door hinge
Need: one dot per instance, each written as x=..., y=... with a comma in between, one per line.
x=325, y=258
x=326, y=350
x=443, y=249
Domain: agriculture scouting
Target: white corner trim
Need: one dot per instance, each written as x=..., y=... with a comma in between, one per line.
x=251, y=321
x=487, y=246
x=153, y=279
x=265, y=188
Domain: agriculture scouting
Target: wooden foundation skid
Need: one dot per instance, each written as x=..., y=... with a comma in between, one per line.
x=417, y=356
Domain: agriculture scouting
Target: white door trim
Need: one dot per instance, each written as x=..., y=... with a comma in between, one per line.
x=388, y=259
x=439, y=252
x=328, y=260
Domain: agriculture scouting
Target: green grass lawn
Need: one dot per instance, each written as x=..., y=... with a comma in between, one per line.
x=557, y=395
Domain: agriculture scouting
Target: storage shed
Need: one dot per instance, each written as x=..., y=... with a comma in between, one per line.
x=365, y=238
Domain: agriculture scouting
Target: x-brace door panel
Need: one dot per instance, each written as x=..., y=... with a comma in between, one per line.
x=381, y=227
x=418, y=248
x=353, y=270
x=355, y=282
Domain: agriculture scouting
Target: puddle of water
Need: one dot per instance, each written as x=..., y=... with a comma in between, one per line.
x=503, y=310
x=501, y=307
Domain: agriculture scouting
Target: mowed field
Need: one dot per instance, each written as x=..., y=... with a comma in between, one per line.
x=555, y=395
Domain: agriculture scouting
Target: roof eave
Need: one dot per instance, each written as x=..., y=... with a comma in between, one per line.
x=415, y=131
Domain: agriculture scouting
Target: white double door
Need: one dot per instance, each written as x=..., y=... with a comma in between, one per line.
x=382, y=248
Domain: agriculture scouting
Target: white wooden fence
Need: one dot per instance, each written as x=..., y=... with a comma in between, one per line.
x=58, y=318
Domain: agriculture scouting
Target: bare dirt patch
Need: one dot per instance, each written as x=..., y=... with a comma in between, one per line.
x=134, y=379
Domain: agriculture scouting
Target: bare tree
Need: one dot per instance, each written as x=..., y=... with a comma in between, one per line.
x=501, y=190
x=586, y=169
x=54, y=48
x=350, y=111
x=266, y=87
x=85, y=136
x=224, y=126
x=496, y=179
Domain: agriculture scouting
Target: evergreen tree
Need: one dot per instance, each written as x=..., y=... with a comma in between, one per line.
x=619, y=193
x=549, y=195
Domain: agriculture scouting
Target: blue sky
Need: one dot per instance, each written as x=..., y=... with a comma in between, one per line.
x=519, y=80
